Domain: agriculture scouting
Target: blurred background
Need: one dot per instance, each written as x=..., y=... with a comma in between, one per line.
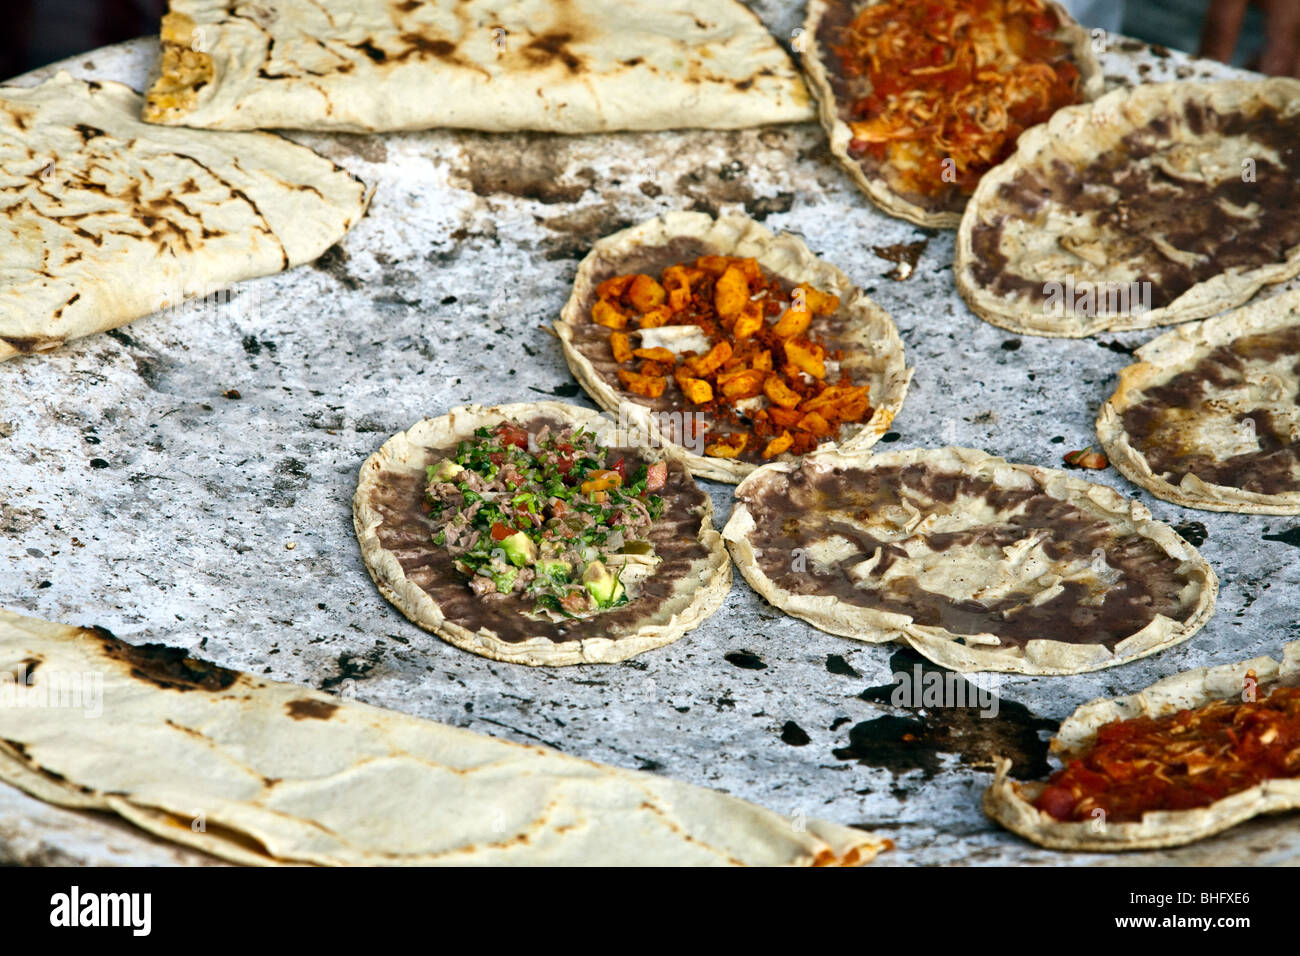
x=37, y=32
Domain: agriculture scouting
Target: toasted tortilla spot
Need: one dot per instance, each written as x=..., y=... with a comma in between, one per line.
x=308, y=709
x=170, y=668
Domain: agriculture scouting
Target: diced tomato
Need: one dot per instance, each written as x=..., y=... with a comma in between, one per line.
x=512, y=435
x=559, y=508
x=564, y=465
x=620, y=466
x=656, y=476
x=501, y=531
x=575, y=602
x=497, y=458
x=1057, y=801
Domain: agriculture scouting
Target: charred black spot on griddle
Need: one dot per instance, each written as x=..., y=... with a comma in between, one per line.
x=1193, y=532
x=168, y=667
x=890, y=436
x=1010, y=345
x=902, y=744
x=334, y=262
x=794, y=735
x=904, y=255
x=565, y=390
x=649, y=766
x=577, y=231
x=1119, y=347
x=838, y=722
x=307, y=709
x=1290, y=536
x=761, y=207
x=353, y=667
x=747, y=660
x=525, y=165
x=838, y=665
x=98, y=463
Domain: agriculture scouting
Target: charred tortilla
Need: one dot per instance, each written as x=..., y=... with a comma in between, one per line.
x=872, y=352
x=686, y=583
x=1150, y=206
x=910, y=181
x=105, y=219
x=265, y=773
x=977, y=563
x=577, y=66
x=1209, y=417
x=1012, y=804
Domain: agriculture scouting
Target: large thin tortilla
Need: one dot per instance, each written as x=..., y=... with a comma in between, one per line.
x=1150, y=206
x=565, y=66
x=864, y=332
x=1216, y=407
x=104, y=219
x=260, y=772
x=832, y=90
x=683, y=588
x=977, y=563
x=1011, y=803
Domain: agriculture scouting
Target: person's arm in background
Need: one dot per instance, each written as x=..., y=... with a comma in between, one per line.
x=1281, y=53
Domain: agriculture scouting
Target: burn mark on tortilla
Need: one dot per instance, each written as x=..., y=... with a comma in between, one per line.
x=28, y=344
x=918, y=741
x=550, y=47
x=308, y=709
x=367, y=47
x=171, y=668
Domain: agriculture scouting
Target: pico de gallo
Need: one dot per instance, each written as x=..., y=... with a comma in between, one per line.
x=552, y=515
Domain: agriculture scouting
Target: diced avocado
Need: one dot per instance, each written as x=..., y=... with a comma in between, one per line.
x=519, y=549
x=444, y=470
x=601, y=585
x=504, y=580
x=554, y=568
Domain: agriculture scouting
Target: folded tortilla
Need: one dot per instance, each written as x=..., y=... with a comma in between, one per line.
x=260, y=772
x=104, y=219
x=576, y=66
